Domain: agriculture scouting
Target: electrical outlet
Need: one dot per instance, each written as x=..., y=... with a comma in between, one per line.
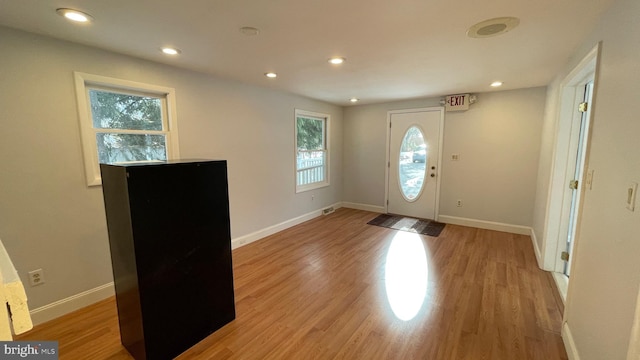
x=455, y=157
x=36, y=277
x=459, y=203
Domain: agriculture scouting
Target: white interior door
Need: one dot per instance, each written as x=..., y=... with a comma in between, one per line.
x=414, y=154
x=575, y=172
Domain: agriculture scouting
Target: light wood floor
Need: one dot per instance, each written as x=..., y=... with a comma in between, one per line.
x=317, y=291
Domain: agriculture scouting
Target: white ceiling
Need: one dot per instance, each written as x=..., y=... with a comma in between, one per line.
x=395, y=49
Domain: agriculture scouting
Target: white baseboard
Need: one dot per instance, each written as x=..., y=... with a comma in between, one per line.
x=72, y=303
x=86, y=298
x=482, y=224
x=257, y=235
x=562, y=283
x=569, y=344
x=536, y=249
x=365, y=207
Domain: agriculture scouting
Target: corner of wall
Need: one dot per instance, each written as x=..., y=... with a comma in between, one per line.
x=536, y=249
x=365, y=207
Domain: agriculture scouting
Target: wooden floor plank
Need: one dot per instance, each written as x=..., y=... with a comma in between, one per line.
x=318, y=291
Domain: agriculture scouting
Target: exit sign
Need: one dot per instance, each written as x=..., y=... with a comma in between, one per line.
x=457, y=102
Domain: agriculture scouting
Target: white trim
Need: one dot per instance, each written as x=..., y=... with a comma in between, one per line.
x=89, y=147
x=561, y=280
x=569, y=344
x=72, y=303
x=260, y=234
x=440, y=163
x=536, y=249
x=562, y=283
x=489, y=225
x=553, y=240
x=67, y=305
x=365, y=207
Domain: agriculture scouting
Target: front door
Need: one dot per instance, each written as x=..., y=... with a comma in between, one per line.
x=414, y=153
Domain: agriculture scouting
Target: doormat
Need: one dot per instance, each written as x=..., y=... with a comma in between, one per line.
x=399, y=222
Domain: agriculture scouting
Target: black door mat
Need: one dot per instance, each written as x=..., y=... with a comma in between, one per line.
x=399, y=222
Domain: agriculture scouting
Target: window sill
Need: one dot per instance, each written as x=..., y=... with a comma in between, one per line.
x=318, y=185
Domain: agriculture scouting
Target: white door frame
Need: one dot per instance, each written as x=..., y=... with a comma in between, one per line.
x=554, y=237
x=388, y=152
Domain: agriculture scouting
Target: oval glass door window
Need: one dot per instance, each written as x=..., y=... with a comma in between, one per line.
x=413, y=164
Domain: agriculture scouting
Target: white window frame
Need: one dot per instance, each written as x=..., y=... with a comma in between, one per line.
x=85, y=82
x=327, y=126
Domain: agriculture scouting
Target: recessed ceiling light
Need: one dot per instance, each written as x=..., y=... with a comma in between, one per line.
x=496, y=84
x=170, y=51
x=75, y=15
x=493, y=27
x=271, y=75
x=337, y=60
x=354, y=100
x=249, y=31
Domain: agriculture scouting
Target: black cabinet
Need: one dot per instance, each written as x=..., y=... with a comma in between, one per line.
x=170, y=242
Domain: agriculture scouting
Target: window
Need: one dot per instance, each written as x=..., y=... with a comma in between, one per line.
x=412, y=165
x=123, y=121
x=312, y=150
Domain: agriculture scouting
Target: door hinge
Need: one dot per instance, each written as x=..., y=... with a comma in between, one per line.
x=564, y=256
x=389, y=124
x=583, y=107
x=387, y=202
x=389, y=164
x=573, y=184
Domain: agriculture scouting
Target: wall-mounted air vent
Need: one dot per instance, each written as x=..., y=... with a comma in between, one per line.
x=328, y=210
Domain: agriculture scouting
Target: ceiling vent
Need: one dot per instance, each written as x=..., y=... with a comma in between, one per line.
x=492, y=27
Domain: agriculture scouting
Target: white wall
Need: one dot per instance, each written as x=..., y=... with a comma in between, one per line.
x=603, y=289
x=497, y=139
x=50, y=219
x=545, y=163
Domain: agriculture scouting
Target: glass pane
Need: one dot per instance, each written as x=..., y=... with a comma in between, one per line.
x=310, y=133
x=114, y=148
x=123, y=111
x=413, y=163
x=310, y=167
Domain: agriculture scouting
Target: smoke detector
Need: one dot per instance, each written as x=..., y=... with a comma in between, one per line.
x=492, y=27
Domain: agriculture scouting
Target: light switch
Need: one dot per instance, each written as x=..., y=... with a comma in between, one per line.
x=632, y=190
